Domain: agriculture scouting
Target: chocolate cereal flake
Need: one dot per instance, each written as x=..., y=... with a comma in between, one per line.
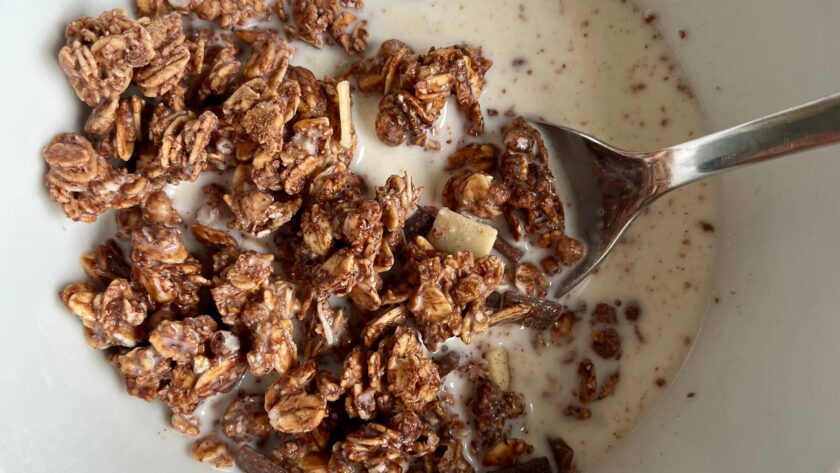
x=563, y=454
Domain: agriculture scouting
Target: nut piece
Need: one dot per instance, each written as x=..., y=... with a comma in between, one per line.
x=452, y=232
x=508, y=250
x=345, y=113
x=212, y=450
x=498, y=369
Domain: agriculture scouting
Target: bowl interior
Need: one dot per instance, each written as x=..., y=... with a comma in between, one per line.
x=765, y=399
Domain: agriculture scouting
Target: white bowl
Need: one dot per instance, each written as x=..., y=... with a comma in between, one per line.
x=762, y=366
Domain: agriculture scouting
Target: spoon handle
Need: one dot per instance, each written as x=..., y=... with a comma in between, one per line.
x=807, y=126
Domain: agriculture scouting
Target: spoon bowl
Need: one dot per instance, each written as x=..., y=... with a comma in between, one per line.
x=612, y=187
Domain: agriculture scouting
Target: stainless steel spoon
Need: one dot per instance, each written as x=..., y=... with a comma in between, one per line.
x=612, y=186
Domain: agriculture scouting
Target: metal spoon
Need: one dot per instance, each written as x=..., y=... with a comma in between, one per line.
x=612, y=186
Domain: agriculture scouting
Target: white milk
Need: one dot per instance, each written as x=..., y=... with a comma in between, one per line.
x=601, y=68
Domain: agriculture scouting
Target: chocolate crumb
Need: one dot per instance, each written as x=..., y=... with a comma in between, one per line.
x=685, y=89
x=492, y=112
x=507, y=250
x=493, y=301
x=563, y=454
x=577, y=412
x=638, y=332
x=650, y=17
x=252, y=461
x=543, y=313
x=448, y=363
x=420, y=223
x=682, y=33
x=519, y=62
x=707, y=227
x=632, y=312
x=608, y=388
x=691, y=395
x=660, y=382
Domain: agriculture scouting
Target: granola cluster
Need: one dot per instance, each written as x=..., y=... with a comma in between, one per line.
x=516, y=183
x=448, y=291
x=415, y=88
x=84, y=184
x=293, y=270
x=534, y=208
x=492, y=410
